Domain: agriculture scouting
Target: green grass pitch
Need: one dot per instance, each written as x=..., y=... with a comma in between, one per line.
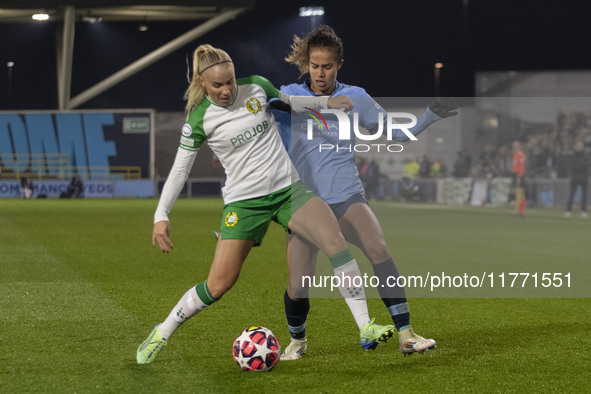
x=82, y=287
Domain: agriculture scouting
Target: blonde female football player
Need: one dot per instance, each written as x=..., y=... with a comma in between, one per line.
x=333, y=176
x=232, y=116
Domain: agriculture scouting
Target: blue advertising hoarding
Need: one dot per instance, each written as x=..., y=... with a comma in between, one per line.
x=92, y=141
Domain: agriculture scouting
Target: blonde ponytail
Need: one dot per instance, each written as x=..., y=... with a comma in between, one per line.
x=204, y=57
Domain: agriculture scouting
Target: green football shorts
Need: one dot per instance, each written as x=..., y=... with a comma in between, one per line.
x=250, y=219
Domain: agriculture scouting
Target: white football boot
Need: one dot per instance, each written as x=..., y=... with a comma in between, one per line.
x=296, y=349
x=411, y=343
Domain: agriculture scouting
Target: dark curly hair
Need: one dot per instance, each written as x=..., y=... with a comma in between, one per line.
x=321, y=37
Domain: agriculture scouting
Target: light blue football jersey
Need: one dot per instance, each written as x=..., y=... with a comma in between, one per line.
x=332, y=173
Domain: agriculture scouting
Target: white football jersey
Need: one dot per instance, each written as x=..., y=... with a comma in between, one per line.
x=244, y=136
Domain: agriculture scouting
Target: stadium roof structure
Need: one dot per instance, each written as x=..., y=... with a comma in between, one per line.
x=210, y=14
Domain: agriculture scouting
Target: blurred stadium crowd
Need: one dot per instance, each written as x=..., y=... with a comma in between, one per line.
x=548, y=154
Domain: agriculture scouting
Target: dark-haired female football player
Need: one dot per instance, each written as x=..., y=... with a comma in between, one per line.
x=332, y=174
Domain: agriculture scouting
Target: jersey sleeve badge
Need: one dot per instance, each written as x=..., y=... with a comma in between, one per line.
x=187, y=130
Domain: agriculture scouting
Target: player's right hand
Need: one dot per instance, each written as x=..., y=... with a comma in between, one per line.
x=341, y=102
x=161, y=236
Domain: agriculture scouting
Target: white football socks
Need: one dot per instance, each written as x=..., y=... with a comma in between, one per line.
x=350, y=276
x=187, y=307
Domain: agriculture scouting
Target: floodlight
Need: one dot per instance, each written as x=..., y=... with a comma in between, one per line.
x=311, y=11
x=40, y=17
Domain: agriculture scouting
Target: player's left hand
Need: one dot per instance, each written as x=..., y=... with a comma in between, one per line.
x=444, y=109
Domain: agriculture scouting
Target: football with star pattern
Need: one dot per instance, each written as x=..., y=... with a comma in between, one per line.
x=256, y=349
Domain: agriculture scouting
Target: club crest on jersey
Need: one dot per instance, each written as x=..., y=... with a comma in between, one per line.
x=231, y=219
x=253, y=105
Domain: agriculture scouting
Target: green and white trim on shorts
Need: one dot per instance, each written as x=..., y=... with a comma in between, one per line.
x=250, y=219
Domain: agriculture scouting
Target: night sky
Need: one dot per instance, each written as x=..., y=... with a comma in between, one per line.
x=390, y=49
